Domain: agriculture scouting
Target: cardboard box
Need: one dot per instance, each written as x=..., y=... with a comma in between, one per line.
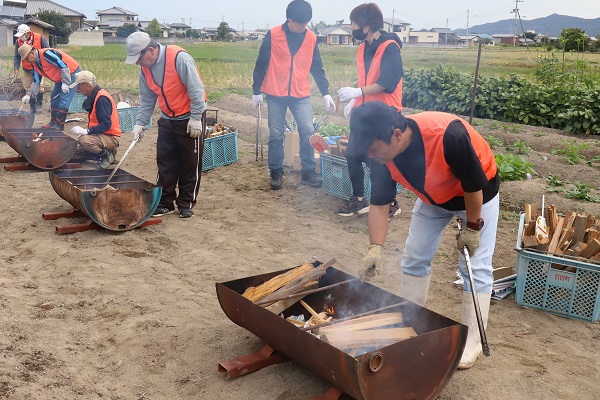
x=291, y=148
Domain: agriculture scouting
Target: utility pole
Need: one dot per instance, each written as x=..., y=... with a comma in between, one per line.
x=446, y=31
x=467, y=28
x=393, y=15
x=516, y=12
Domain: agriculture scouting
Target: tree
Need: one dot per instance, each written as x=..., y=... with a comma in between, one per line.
x=223, y=33
x=126, y=30
x=154, y=29
x=62, y=27
x=192, y=33
x=574, y=39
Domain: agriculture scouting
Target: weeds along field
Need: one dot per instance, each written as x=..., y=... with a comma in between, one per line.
x=227, y=67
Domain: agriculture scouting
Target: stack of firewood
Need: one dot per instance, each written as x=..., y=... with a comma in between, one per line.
x=574, y=234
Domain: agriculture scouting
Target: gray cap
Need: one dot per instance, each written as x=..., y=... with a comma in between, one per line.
x=135, y=43
x=83, y=77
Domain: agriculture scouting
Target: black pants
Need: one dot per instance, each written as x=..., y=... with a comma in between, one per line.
x=357, y=174
x=179, y=160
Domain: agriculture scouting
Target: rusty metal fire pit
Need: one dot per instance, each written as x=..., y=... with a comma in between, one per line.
x=45, y=149
x=126, y=203
x=15, y=119
x=415, y=368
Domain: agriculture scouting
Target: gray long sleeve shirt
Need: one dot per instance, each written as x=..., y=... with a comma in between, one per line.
x=186, y=68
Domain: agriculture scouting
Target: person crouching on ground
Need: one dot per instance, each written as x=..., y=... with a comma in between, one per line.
x=100, y=139
x=452, y=170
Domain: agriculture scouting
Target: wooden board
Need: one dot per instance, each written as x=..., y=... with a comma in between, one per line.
x=366, y=322
x=369, y=337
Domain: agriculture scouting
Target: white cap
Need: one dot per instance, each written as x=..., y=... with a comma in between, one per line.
x=136, y=43
x=21, y=30
x=83, y=77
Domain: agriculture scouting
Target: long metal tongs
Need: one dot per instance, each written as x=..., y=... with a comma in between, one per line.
x=259, y=134
x=131, y=146
x=484, y=343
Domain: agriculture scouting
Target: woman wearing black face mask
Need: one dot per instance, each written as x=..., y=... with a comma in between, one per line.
x=380, y=74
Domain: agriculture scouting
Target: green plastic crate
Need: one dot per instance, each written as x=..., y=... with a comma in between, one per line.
x=541, y=285
x=127, y=118
x=220, y=150
x=77, y=103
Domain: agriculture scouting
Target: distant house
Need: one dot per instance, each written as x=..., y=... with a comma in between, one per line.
x=469, y=40
x=401, y=28
x=34, y=7
x=335, y=35
x=257, y=35
x=504, y=38
x=447, y=35
x=116, y=14
x=179, y=28
x=423, y=37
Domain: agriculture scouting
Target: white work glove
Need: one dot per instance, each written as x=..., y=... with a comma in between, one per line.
x=257, y=99
x=349, y=108
x=194, y=127
x=16, y=73
x=372, y=262
x=349, y=93
x=77, y=130
x=137, y=132
x=329, y=104
x=65, y=88
x=26, y=98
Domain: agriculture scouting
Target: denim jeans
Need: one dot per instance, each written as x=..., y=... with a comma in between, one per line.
x=303, y=115
x=58, y=99
x=424, y=234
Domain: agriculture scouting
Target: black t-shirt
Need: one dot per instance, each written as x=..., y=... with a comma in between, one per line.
x=459, y=154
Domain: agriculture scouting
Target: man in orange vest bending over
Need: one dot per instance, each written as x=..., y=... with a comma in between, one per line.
x=101, y=137
x=453, y=172
x=37, y=41
x=287, y=55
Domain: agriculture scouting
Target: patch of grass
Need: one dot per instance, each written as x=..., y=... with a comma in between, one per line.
x=581, y=191
x=519, y=147
x=506, y=215
x=572, y=151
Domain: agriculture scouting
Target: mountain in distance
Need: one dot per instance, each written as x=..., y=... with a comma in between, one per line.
x=551, y=26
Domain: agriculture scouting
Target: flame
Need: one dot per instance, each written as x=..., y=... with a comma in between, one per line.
x=330, y=310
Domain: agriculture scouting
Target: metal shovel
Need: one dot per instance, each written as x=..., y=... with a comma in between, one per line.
x=120, y=162
x=484, y=343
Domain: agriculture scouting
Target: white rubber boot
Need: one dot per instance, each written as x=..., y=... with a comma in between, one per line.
x=415, y=288
x=469, y=318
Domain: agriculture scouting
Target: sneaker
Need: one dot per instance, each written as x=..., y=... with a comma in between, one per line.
x=394, y=209
x=276, y=179
x=311, y=179
x=354, y=206
x=185, y=212
x=106, y=158
x=160, y=211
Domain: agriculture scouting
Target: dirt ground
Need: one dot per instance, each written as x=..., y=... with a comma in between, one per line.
x=135, y=315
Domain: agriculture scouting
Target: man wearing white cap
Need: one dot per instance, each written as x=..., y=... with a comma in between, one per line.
x=37, y=41
x=101, y=137
x=60, y=68
x=169, y=75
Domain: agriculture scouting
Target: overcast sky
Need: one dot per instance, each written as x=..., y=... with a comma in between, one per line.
x=421, y=14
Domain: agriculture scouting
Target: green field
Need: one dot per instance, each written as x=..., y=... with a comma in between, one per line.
x=227, y=67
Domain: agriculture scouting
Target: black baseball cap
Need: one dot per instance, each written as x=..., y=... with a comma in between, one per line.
x=369, y=121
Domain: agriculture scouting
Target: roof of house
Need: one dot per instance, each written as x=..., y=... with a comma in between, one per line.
x=8, y=22
x=37, y=22
x=334, y=30
x=179, y=25
x=396, y=21
x=442, y=30
x=34, y=7
x=12, y=12
x=115, y=11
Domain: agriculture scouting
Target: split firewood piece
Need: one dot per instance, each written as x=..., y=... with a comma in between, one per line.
x=592, y=233
x=529, y=242
x=369, y=337
x=366, y=322
x=318, y=317
x=257, y=292
x=592, y=249
x=556, y=235
x=579, y=227
x=296, y=284
x=283, y=305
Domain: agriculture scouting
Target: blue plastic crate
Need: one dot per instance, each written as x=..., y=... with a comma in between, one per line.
x=127, y=118
x=77, y=103
x=220, y=150
x=336, y=179
x=542, y=284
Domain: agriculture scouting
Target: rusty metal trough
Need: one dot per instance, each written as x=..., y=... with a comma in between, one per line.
x=416, y=368
x=15, y=119
x=128, y=201
x=43, y=148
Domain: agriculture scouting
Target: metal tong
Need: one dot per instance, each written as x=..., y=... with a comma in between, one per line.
x=259, y=134
x=484, y=343
x=120, y=162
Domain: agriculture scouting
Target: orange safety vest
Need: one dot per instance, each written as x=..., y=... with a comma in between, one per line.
x=52, y=71
x=440, y=184
x=115, y=128
x=393, y=99
x=287, y=75
x=173, y=99
x=36, y=43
